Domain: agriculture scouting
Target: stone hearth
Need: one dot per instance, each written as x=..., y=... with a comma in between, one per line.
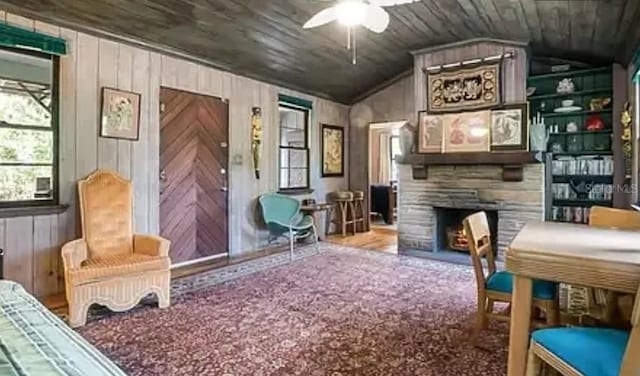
x=474, y=187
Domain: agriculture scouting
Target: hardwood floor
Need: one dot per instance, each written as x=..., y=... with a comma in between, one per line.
x=378, y=239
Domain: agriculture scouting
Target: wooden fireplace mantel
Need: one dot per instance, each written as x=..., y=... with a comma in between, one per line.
x=512, y=162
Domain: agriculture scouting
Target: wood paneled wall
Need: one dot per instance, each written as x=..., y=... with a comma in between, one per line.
x=32, y=244
x=393, y=103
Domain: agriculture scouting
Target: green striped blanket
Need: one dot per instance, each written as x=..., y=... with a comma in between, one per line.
x=33, y=341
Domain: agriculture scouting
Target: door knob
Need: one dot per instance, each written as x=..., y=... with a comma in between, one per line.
x=224, y=189
x=163, y=175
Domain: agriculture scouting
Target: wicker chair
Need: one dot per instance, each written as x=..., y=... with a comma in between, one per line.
x=110, y=265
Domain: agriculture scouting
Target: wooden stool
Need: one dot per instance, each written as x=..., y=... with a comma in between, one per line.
x=357, y=210
x=343, y=201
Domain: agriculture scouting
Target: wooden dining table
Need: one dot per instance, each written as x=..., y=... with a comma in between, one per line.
x=569, y=253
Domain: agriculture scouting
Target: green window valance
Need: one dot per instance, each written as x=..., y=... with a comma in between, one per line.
x=12, y=36
x=635, y=62
x=295, y=101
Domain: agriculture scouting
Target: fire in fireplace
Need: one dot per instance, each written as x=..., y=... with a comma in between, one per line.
x=450, y=235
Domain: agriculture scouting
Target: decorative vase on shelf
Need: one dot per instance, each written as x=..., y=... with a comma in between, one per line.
x=407, y=138
x=566, y=86
x=538, y=134
x=595, y=123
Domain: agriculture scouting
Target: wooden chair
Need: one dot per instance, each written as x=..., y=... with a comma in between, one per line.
x=497, y=286
x=588, y=351
x=604, y=217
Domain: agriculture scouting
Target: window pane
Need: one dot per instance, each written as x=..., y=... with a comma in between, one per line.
x=25, y=89
x=293, y=158
x=284, y=159
x=19, y=107
x=297, y=158
x=292, y=127
x=395, y=147
x=284, y=178
x=298, y=178
x=25, y=146
x=25, y=183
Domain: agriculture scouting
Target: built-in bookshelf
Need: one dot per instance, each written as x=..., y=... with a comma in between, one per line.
x=581, y=166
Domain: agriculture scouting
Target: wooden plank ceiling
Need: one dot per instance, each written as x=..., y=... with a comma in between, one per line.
x=265, y=40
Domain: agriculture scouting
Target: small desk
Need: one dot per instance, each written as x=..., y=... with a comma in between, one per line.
x=314, y=210
x=574, y=254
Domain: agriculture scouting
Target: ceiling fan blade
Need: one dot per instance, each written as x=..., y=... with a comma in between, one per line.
x=389, y=3
x=376, y=19
x=323, y=17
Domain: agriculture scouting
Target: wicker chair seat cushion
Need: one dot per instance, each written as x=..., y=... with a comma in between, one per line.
x=119, y=265
x=591, y=351
x=503, y=282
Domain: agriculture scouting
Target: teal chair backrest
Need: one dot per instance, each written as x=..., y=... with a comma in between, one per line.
x=279, y=208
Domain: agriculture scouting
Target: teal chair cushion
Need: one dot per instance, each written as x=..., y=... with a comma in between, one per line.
x=591, y=351
x=503, y=282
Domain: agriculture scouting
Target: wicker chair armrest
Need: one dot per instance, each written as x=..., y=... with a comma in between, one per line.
x=151, y=245
x=73, y=254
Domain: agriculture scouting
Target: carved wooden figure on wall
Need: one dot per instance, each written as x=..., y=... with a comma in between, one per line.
x=256, y=139
x=626, y=119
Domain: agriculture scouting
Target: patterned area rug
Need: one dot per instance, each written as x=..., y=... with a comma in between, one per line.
x=343, y=312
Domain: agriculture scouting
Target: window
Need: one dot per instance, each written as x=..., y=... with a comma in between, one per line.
x=294, y=146
x=28, y=128
x=394, y=149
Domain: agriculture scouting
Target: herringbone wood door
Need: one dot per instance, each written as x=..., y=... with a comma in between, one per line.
x=193, y=179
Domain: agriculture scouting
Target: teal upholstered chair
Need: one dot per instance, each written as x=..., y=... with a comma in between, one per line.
x=497, y=286
x=284, y=219
x=588, y=351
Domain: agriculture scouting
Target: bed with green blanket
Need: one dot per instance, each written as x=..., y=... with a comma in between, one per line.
x=33, y=341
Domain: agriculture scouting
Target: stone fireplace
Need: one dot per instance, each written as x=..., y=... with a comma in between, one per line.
x=449, y=232
x=426, y=207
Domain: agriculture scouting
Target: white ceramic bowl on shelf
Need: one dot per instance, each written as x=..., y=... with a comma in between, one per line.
x=567, y=103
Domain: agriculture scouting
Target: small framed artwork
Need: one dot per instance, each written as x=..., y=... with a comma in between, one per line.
x=509, y=128
x=467, y=132
x=120, y=114
x=430, y=135
x=332, y=151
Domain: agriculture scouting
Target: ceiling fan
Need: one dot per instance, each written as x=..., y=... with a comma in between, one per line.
x=353, y=13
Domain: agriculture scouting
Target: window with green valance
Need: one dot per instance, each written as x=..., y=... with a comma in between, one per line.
x=16, y=37
x=299, y=102
x=635, y=63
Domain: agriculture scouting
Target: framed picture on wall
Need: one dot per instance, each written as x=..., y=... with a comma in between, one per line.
x=332, y=151
x=430, y=135
x=120, y=114
x=509, y=127
x=467, y=132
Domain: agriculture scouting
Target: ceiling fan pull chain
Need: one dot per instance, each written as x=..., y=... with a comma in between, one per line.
x=354, y=46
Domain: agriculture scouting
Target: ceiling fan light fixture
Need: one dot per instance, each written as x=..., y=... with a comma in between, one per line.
x=351, y=12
